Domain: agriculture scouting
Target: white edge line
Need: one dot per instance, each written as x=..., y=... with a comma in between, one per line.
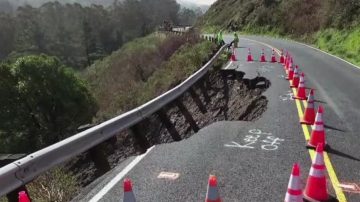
x=337, y=57
x=230, y=63
x=119, y=176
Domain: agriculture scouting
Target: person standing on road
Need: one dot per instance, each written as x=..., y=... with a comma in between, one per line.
x=220, y=38
x=236, y=40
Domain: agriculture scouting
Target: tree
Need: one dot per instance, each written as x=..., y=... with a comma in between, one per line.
x=6, y=7
x=89, y=42
x=132, y=19
x=187, y=17
x=29, y=35
x=41, y=103
x=156, y=11
x=80, y=35
x=7, y=33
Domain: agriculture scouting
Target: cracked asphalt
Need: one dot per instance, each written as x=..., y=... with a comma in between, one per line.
x=253, y=160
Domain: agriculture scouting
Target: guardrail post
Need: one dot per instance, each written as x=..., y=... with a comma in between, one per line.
x=204, y=91
x=98, y=156
x=187, y=116
x=169, y=126
x=197, y=100
x=139, y=138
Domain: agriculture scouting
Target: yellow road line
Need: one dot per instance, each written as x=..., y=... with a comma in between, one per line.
x=331, y=171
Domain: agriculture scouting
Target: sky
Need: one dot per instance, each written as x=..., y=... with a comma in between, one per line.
x=206, y=2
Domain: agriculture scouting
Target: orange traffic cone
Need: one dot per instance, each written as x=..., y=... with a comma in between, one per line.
x=128, y=193
x=309, y=115
x=212, y=194
x=288, y=55
x=318, y=132
x=294, y=192
x=249, y=57
x=315, y=189
x=287, y=70
x=301, y=92
x=290, y=74
x=290, y=65
x=233, y=57
x=23, y=197
x=286, y=62
x=282, y=60
x=294, y=83
x=262, y=57
x=273, y=58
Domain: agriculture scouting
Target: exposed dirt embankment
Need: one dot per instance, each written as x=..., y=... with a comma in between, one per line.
x=221, y=95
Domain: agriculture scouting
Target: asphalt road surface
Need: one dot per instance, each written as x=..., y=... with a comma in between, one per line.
x=253, y=160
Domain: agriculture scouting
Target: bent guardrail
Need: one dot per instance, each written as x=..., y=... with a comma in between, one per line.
x=26, y=169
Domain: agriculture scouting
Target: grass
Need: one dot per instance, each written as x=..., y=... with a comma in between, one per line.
x=343, y=43
x=210, y=29
x=180, y=66
x=56, y=185
x=266, y=30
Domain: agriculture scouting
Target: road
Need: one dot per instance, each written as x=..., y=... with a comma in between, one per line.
x=258, y=171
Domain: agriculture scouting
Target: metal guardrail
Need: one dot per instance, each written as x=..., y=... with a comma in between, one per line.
x=26, y=169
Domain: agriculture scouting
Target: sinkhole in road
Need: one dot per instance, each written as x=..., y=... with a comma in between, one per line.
x=223, y=95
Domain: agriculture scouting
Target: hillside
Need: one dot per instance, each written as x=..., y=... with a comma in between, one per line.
x=295, y=17
x=331, y=25
x=143, y=69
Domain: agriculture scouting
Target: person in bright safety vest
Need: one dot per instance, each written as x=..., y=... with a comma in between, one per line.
x=236, y=40
x=220, y=39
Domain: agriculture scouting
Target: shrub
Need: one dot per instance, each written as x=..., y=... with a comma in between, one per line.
x=56, y=185
x=143, y=69
x=41, y=102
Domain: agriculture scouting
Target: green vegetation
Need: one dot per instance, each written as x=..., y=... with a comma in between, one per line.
x=286, y=17
x=180, y=66
x=42, y=99
x=79, y=35
x=222, y=60
x=143, y=69
x=41, y=103
x=330, y=25
x=55, y=185
x=44, y=102
x=344, y=43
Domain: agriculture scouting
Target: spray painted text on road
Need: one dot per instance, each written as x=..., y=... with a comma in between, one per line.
x=257, y=139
